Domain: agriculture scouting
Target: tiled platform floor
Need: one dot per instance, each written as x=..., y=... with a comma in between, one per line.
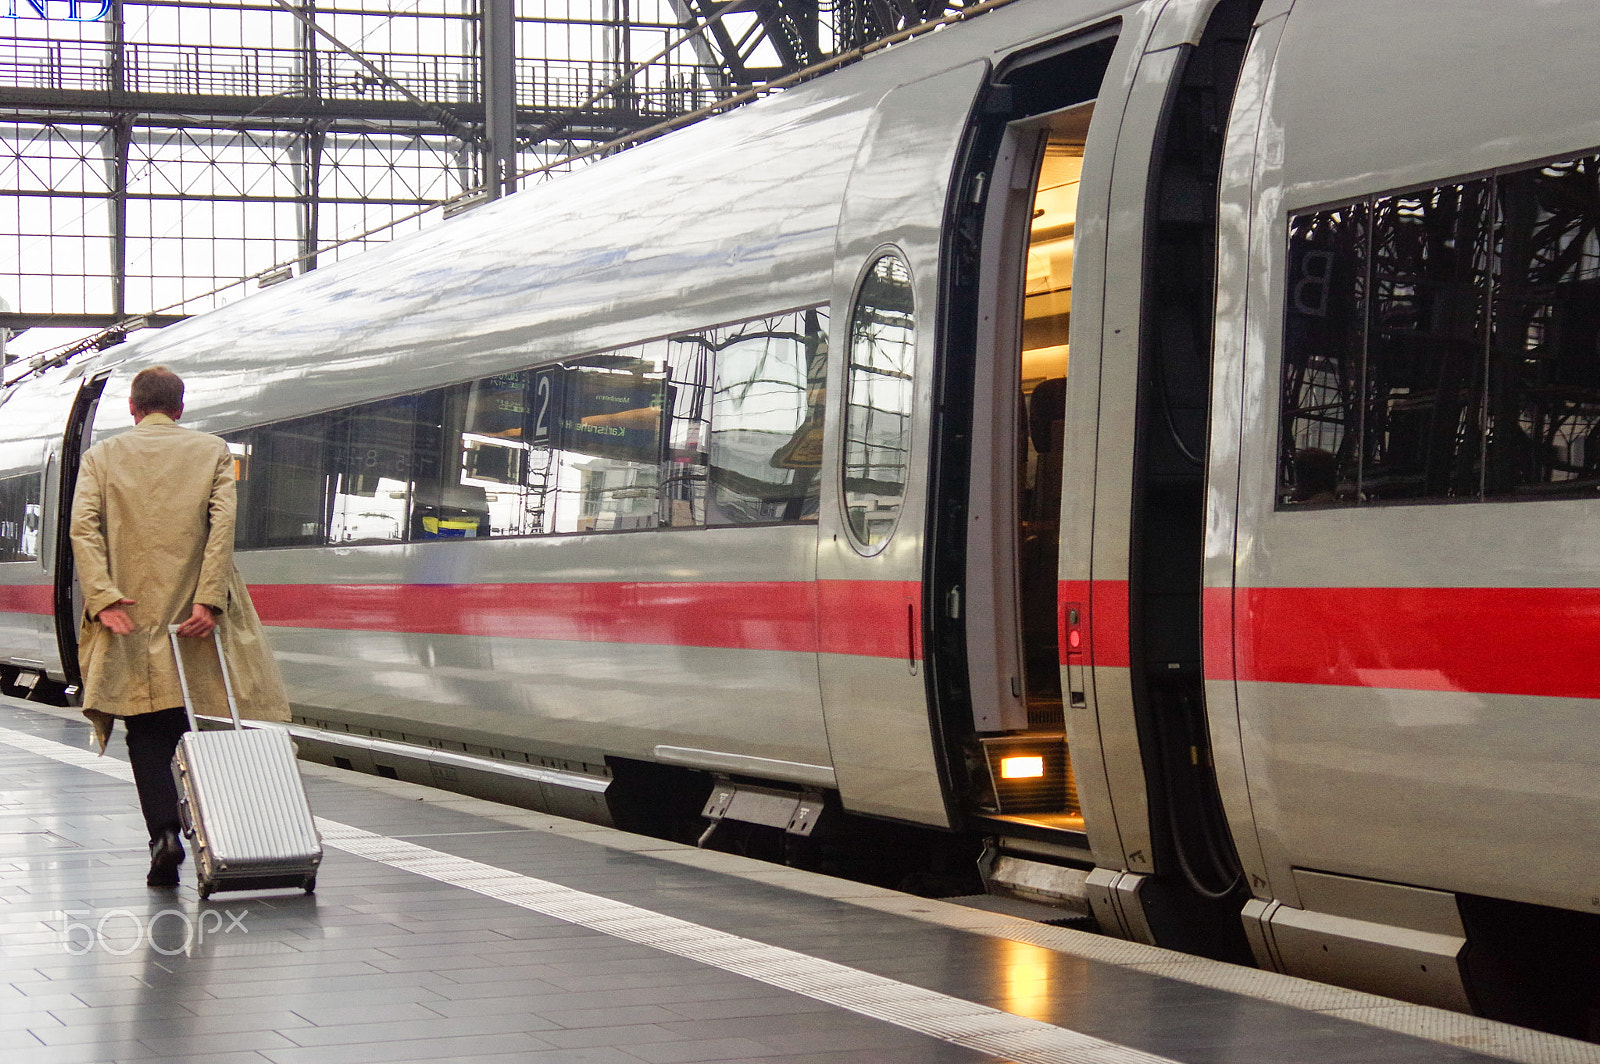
x=385, y=964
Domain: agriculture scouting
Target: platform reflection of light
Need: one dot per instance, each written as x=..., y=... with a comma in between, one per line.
x=1025, y=980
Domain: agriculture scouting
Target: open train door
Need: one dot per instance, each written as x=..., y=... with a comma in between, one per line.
x=1177, y=880
x=1071, y=542
x=1031, y=188
x=871, y=534
x=61, y=479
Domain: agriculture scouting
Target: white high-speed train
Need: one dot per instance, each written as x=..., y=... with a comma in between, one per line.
x=743, y=479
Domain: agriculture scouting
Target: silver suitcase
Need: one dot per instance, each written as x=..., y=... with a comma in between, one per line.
x=241, y=800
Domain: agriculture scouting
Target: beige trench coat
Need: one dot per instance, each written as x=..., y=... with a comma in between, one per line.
x=152, y=521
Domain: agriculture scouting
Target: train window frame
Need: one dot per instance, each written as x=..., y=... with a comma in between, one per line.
x=858, y=531
x=1508, y=342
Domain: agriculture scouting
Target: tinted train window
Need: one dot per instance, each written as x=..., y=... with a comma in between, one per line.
x=721, y=426
x=493, y=454
x=878, y=396
x=1543, y=415
x=1445, y=344
x=20, y=518
x=1423, y=436
x=282, y=472
x=598, y=440
x=1327, y=331
x=766, y=420
x=374, y=461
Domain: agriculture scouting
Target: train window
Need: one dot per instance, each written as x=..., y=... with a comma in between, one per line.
x=1445, y=343
x=598, y=436
x=283, y=495
x=1426, y=337
x=766, y=419
x=371, y=480
x=1544, y=363
x=621, y=440
x=1327, y=336
x=878, y=397
x=493, y=457
x=684, y=475
x=20, y=518
x=446, y=501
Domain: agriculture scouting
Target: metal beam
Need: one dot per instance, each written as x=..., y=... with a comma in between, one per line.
x=497, y=65
x=286, y=113
x=121, y=151
x=18, y=321
x=309, y=182
x=121, y=147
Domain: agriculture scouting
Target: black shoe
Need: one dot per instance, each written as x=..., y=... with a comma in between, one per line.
x=166, y=854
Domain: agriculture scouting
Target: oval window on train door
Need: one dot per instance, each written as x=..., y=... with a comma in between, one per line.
x=878, y=397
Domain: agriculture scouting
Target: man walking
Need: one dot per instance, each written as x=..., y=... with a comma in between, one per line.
x=152, y=534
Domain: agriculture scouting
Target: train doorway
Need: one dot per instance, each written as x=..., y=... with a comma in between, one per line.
x=995, y=554
x=1135, y=792
x=1016, y=474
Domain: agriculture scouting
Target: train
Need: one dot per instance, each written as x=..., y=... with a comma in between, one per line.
x=801, y=479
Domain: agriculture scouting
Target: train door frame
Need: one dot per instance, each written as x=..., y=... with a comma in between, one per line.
x=68, y=454
x=976, y=636
x=1182, y=887
x=997, y=625
x=1111, y=568
x=995, y=673
x=875, y=704
x=1011, y=581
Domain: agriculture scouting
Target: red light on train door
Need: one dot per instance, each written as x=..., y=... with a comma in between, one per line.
x=1072, y=657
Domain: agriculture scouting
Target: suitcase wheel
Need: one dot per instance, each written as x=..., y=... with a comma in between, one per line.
x=311, y=884
x=207, y=888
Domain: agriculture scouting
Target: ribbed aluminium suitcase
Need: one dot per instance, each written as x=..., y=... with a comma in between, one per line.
x=242, y=802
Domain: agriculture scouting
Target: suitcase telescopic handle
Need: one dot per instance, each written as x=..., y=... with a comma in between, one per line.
x=183, y=677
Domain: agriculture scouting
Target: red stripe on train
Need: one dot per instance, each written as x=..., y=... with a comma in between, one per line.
x=1216, y=632
x=1528, y=641
x=873, y=618
x=1518, y=641
x=1104, y=622
x=865, y=618
x=27, y=598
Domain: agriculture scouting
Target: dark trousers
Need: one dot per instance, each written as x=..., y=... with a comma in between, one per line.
x=152, y=740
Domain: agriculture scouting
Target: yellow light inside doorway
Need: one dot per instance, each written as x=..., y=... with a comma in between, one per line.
x=1021, y=768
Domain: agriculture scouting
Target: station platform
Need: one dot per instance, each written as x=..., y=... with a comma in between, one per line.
x=452, y=929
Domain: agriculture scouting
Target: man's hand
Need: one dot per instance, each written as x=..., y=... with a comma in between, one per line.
x=116, y=618
x=200, y=622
